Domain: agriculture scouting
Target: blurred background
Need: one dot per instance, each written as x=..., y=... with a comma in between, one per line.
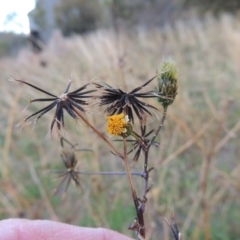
x=122, y=43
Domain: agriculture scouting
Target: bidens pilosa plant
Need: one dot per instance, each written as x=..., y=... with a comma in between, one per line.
x=120, y=111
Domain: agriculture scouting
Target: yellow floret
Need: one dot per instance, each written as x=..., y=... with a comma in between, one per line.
x=117, y=124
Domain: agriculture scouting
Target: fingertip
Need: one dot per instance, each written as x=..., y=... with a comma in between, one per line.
x=19, y=229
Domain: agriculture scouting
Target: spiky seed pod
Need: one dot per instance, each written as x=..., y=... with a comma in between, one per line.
x=72, y=102
x=119, y=101
x=167, y=82
x=70, y=172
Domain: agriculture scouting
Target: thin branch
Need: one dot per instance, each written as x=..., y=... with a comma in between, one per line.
x=132, y=187
x=102, y=173
x=99, y=134
x=159, y=127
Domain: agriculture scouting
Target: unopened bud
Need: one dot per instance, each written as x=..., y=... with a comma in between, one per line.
x=167, y=82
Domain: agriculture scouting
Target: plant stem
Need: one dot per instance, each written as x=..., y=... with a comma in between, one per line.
x=159, y=127
x=128, y=171
x=141, y=208
x=102, y=173
x=133, y=191
x=146, y=177
x=99, y=134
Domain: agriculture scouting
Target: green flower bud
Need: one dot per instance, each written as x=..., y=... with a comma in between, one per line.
x=167, y=82
x=128, y=131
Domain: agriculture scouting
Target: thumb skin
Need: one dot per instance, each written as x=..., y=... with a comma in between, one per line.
x=23, y=229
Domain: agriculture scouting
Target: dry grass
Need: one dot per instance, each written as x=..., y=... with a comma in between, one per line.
x=197, y=167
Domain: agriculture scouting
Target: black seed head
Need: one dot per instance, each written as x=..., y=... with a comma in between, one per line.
x=119, y=101
x=71, y=102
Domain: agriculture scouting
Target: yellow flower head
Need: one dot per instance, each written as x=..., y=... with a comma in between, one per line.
x=117, y=125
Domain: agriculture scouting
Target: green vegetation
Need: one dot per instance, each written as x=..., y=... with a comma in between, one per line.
x=77, y=16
